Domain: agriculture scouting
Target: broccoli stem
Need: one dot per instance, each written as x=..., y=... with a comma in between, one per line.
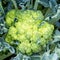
x=14, y=3
x=36, y=5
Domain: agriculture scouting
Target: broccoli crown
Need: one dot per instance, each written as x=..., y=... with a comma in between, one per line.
x=17, y=15
x=30, y=30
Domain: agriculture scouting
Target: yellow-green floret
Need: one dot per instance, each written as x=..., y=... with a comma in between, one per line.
x=30, y=30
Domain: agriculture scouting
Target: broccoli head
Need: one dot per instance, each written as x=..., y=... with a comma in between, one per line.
x=29, y=29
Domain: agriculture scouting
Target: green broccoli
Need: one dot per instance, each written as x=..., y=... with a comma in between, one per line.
x=30, y=30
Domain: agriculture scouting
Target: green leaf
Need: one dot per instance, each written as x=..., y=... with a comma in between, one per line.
x=57, y=51
x=56, y=36
x=36, y=57
x=48, y=56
